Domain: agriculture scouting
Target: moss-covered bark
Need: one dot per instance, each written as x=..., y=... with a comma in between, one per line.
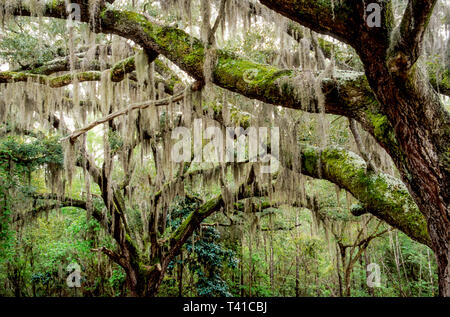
x=51, y=81
x=267, y=83
x=383, y=196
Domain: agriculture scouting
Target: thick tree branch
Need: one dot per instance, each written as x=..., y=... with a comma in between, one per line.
x=339, y=21
x=117, y=258
x=381, y=195
x=348, y=95
x=59, y=202
x=271, y=85
x=193, y=221
x=407, y=43
x=51, y=81
x=59, y=65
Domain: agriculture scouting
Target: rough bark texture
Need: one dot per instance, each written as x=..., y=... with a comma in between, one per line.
x=420, y=122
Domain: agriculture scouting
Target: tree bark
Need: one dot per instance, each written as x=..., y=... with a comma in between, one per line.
x=420, y=124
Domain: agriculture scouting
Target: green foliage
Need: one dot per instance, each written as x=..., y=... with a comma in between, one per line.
x=117, y=281
x=207, y=255
x=29, y=45
x=28, y=154
x=20, y=49
x=20, y=157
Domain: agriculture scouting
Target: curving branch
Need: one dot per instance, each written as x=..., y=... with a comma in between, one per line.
x=335, y=18
x=51, y=81
x=407, y=44
x=135, y=106
x=193, y=221
x=382, y=195
x=59, y=65
x=63, y=202
x=115, y=257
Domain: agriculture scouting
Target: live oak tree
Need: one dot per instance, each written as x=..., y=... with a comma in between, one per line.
x=390, y=89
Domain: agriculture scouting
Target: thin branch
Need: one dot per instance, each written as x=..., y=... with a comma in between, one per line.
x=119, y=259
x=51, y=81
x=407, y=48
x=135, y=106
x=281, y=228
x=219, y=19
x=366, y=156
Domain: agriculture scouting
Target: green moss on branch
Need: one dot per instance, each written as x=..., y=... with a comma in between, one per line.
x=379, y=194
x=120, y=69
x=52, y=81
